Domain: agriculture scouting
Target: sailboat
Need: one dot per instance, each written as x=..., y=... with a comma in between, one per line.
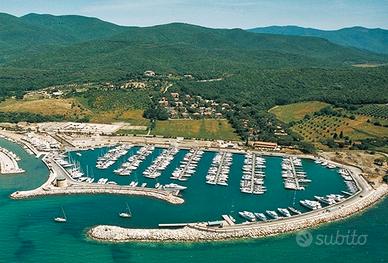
x=61, y=219
x=127, y=213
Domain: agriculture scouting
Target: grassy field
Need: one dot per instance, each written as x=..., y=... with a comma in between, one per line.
x=296, y=111
x=324, y=127
x=66, y=107
x=72, y=108
x=204, y=129
x=134, y=117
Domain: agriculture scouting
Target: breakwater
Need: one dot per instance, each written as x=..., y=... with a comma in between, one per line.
x=200, y=232
x=48, y=189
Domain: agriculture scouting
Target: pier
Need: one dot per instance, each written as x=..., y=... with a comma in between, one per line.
x=292, y=177
x=219, y=171
x=252, y=178
x=135, y=160
x=160, y=163
x=189, y=163
x=294, y=173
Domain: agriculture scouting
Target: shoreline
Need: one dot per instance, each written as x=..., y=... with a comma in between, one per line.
x=9, y=162
x=197, y=233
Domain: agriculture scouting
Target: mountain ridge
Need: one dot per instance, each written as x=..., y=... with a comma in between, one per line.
x=371, y=39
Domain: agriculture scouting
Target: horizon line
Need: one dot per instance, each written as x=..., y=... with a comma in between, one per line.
x=181, y=22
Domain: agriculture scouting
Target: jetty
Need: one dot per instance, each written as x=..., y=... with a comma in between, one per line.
x=60, y=182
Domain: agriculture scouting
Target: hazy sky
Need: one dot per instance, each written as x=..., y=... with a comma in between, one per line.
x=324, y=14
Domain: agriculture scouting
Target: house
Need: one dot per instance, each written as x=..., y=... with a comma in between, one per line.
x=264, y=145
x=149, y=73
x=175, y=95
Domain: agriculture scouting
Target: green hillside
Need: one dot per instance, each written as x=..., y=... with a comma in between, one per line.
x=375, y=40
x=34, y=33
x=74, y=28
x=68, y=49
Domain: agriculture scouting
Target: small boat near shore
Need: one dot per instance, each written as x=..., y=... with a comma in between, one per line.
x=61, y=219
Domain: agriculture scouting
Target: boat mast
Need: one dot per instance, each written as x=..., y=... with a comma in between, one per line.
x=129, y=210
x=63, y=211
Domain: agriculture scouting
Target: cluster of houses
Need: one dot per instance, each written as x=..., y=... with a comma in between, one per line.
x=192, y=107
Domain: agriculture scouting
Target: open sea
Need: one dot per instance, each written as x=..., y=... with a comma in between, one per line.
x=29, y=234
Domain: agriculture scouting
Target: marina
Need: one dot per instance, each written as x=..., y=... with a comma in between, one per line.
x=278, y=204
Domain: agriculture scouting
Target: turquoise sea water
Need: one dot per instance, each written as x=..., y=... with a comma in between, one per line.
x=28, y=233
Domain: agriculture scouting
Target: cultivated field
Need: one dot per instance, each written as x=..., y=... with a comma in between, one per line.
x=324, y=127
x=204, y=129
x=296, y=111
x=375, y=110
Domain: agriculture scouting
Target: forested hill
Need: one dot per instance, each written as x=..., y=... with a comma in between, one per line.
x=375, y=40
x=42, y=50
x=35, y=32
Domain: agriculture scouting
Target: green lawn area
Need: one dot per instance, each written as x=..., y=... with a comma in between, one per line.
x=296, y=111
x=201, y=129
